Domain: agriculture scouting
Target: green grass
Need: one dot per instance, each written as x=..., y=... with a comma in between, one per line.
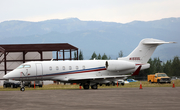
x=129, y=85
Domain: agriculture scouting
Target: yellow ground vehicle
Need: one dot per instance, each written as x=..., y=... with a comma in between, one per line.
x=158, y=78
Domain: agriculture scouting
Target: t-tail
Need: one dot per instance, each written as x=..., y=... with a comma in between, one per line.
x=142, y=53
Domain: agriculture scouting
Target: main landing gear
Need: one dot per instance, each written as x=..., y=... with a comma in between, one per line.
x=22, y=87
x=86, y=86
x=94, y=86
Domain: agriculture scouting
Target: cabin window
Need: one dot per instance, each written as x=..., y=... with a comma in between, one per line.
x=77, y=67
x=63, y=68
x=83, y=67
x=70, y=68
x=57, y=68
x=50, y=68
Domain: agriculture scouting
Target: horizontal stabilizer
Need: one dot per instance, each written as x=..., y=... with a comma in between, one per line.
x=157, y=43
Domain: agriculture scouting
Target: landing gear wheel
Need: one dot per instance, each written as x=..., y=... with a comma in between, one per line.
x=86, y=86
x=94, y=87
x=4, y=86
x=22, y=89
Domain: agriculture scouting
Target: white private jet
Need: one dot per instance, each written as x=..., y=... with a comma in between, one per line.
x=87, y=72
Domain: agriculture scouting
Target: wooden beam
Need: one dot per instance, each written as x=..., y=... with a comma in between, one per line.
x=5, y=69
x=63, y=55
x=70, y=55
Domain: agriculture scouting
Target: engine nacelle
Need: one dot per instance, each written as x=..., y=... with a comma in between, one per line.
x=118, y=65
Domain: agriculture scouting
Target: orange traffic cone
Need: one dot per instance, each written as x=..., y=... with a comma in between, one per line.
x=173, y=85
x=79, y=87
x=140, y=86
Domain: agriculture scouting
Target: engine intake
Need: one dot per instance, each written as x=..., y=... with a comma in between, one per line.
x=118, y=65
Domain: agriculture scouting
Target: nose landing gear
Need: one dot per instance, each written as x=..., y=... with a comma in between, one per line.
x=22, y=87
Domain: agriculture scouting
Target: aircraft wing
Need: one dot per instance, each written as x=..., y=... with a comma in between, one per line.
x=106, y=77
x=98, y=77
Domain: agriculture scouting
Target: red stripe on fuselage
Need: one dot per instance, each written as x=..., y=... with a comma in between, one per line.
x=83, y=71
x=76, y=72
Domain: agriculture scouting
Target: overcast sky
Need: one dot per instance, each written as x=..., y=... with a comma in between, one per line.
x=121, y=11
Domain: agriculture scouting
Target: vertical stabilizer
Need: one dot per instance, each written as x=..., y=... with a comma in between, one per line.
x=144, y=50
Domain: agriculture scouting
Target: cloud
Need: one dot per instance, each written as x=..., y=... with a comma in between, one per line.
x=100, y=10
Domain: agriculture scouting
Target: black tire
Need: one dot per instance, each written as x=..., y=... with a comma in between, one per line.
x=122, y=84
x=22, y=89
x=158, y=81
x=86, y=86
x=94, y=87
x=4, y=86
x=40, y=85
x=150, y=82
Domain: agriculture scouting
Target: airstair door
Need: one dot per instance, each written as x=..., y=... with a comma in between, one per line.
x=39, y=71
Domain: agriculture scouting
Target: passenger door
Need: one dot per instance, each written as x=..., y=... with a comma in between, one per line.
x=39, y=71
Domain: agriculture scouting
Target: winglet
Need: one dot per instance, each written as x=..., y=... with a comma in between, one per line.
x=137, y=71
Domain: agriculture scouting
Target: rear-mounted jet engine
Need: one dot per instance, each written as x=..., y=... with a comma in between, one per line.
x=119, y=65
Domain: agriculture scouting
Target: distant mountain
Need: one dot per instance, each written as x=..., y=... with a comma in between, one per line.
x=98, y=36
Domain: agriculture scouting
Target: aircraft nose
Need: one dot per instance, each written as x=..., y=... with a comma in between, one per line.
x=5, y=77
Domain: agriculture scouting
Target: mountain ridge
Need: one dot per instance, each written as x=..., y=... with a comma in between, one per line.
x=89, y=36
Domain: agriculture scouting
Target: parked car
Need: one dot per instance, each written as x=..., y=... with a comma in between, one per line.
x=158, y=78
x=174, y=78
x=11, y=83
x=31, y=83
x=131, y=80
x=119, y=82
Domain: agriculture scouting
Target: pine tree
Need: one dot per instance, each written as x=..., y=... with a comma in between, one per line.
x=99, y=57
x=175, y=66
x=120, y=54
x=75, y=56
x=81, y=55
x=167, y=67
x=104, y=57
x=93, y=56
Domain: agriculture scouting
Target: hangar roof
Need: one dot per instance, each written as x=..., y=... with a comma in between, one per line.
x=25, y=48
x=36, y=47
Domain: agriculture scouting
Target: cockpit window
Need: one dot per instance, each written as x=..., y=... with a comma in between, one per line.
x=24, y=66
x=27, y=66
x=21, y=66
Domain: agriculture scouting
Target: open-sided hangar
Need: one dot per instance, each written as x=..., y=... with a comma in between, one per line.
x=12, y=55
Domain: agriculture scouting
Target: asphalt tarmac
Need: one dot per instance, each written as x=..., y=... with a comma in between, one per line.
x=156, y=98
